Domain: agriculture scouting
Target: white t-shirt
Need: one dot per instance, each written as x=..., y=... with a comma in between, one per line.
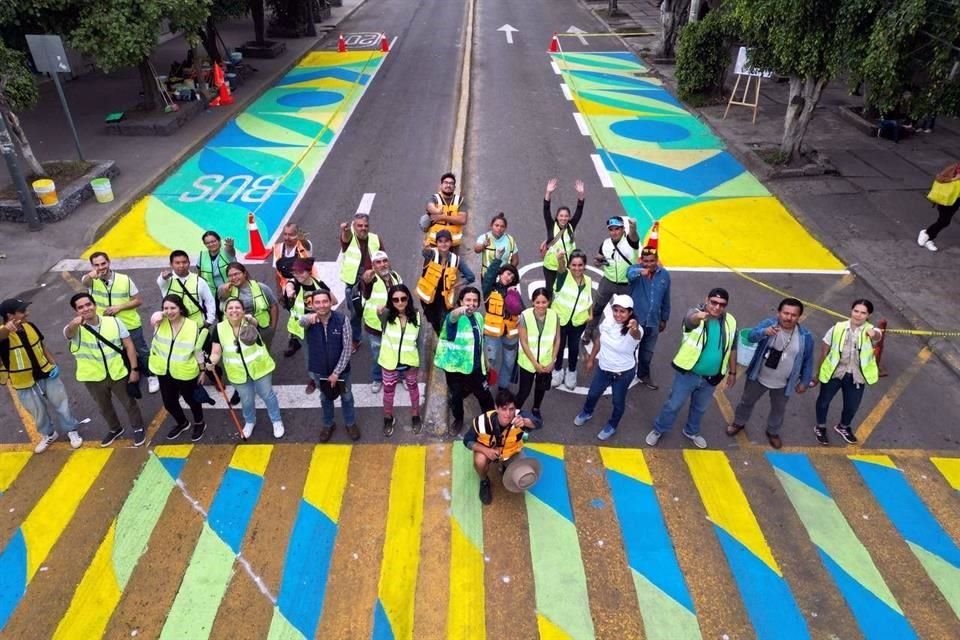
x=617, y=352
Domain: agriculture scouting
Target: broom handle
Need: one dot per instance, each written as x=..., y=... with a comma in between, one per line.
x=223, y=392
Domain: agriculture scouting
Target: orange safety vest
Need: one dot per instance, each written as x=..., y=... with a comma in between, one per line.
x=301, y=253
x=437, y=276
x=456, y=230
x=496, y=322
x=511, y=437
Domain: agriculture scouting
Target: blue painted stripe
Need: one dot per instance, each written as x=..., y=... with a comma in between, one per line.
x=551, y=489
x=13, y=576
x=798, y=466
x=697, y=179
x=381, y=623
x=877, y=621
x=766, y=596
x=906, y=510
x=645, y=536
x=306, y=567
x=233, y=506
x=173, y=465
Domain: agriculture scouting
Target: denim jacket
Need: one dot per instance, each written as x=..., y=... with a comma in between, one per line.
x=802, y=371
x=651, y=296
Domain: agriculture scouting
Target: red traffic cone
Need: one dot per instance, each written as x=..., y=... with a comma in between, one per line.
x=654, y=240
x=257, y=250
x=224, y=96
x=341, y=44
x=384, y=44
x=554, y=44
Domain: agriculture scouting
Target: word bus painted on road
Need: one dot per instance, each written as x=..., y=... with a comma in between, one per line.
x=245, y=187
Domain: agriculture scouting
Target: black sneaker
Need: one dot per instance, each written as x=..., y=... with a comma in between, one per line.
x=455, y=427
x=112, y=435
x=292, y=347
x=416, y=423
x=177, y=429
x=353, y=431
x=536, y=414
x=846, y=434
x=198, y=429
x=389, y=422
x=821, y=433
x=235, y=398
x=486, y=492
x=139, y=436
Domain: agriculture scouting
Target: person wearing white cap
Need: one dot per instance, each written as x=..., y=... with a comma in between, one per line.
x=616, y=348
x=374, y=284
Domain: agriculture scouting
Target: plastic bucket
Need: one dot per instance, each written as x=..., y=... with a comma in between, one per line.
x=46, y=190
x=102, y=189
x=745, y=349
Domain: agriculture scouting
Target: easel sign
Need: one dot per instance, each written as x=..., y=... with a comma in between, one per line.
x=742, y=71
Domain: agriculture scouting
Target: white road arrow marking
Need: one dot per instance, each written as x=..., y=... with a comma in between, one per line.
x=577, y=31
x=507, y=29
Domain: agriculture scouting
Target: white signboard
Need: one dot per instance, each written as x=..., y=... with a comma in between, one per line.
x=740, y=66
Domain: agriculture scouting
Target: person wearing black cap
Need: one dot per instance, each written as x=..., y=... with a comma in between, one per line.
x=617, y=254
x=437, y=287
x=32, y=372
x=707, y=353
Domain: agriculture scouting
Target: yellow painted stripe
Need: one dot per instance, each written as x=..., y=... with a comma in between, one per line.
x=327, y=478
x=726, y=503
x=101, y=594
x=252, y=457
x=950, y=468
x=11, y=464
x=28, y=424
x=173, y=450
x=401, y=551
x=550, y=631
x=54, y=510
x=882, y=460
x=550, y=449
x=629, y=462
x=466, y=619
x=892, y=395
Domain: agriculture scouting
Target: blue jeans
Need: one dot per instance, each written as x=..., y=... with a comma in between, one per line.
x=143, y=351
x=852, y=395
x=356, y=313
x=35, y=399
x=249, y=390
x=501, y=354
x=645, y=355
x=376, y=373
x=685, y=385
x=620, y=383
x=346, y=401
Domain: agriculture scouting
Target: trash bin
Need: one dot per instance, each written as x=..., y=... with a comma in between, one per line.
x=46, y=190
x=745, y=349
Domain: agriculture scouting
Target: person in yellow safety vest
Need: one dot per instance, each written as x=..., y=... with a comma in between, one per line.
x=496, y=240
x=617, y=254
x=176, y=356
x=847, y=364
x=945, y=195
x=237, y=345
x=374, y=284
x=399, y=355
x=560, y=231
x=32, y=372
x=708, y=352
x=197, y=298
x=437, y=286
x=539, y=348
x=213, y=261
x=106, y=363
x=498, y=435
x=501, y=327
x=460, y=356
x=446, y=211
x=258, y=299
x=357, y=245
x=116, y=295
x=295, y=290
x=294, y=245
x=573, y=302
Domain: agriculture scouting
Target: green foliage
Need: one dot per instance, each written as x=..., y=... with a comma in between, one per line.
x=224, y=9
x=17, y=88
x=703, y=54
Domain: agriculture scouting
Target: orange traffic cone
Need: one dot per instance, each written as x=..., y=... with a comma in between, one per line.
x=554, y=44
x=341, y=44
x=257, y=250
x=384, y=44
x=224, y=96
x=654, y=240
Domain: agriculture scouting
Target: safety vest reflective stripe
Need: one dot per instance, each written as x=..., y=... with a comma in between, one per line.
x=868, y=364
x=540, y=342
x=511, y=437
x=350, y=265
x=175, y=354
x=399, y=345
x=296, y=312
x=206, y=265
x=116, y=294
x=564, y=245
x=693, y=341
x=261, y=307
x=456, y=230
x=192, y=285
x=435, y=275
x=457, y=355
x=94, y=359
x=490, y=252
x=20, y=372
x=495, y=323
x=572, y=302
x=615, y=270
x=241, y=361
x=378, y=298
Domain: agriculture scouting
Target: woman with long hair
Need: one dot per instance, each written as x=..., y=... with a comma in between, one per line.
x=539, y=348
x=214, y=259
x=257, y=298
x=501, y=321
x=615, y=350
x=560, y=231
x=573, y=302
x=176, y=356
x=400, y=354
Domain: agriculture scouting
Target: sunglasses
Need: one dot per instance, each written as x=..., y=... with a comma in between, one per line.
x=399, y=299
x=718, y=303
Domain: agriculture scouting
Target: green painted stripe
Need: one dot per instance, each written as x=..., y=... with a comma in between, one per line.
x=465, y=506
x=672, y=621
x=944, y=575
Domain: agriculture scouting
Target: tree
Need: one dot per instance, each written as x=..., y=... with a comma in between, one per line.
x=259, y=22
x=17, y=92
x=673, y=15
x=220, y=10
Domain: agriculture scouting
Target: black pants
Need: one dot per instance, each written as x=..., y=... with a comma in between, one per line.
x=171, y=390
x=536, y=382
x=569, y=341
x=943, y=219
x=435, y=312
x=461, y=385
x=852, y=395
x=549, y=278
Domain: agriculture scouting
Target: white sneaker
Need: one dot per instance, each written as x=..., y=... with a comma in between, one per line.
x=46, y=441
x=376, y=386
x=923, y=238
x=153, y=384
x=75, y=439
x=570, y=380
x=247, y=430
x=930, y=246
x=278, y=429
x=698, y=440
x=653, y=437
x=556, y=379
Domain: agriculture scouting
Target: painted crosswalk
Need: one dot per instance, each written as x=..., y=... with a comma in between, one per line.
x=352, y=551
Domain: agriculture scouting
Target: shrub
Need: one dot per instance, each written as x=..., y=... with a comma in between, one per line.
x=702, y=58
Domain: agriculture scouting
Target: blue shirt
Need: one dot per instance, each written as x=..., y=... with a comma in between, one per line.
x=651, y=296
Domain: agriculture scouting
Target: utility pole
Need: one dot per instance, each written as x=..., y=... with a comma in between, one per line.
x=694, y=10
x=19, y=182
x=612, y=8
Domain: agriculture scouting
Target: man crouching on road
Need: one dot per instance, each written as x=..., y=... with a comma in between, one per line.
x=498, y=436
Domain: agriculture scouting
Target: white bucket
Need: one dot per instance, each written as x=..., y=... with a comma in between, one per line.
x=102, y=189
x=745, y=348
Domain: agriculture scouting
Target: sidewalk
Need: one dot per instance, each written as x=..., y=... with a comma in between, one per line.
x=143, y=161
x=869, y=214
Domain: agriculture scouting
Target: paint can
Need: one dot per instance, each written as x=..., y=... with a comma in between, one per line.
x=46, y=190
x=745, y=349
x=102, y=189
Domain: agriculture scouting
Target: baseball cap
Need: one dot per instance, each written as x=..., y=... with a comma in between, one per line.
x=379, y=255
x=443, y=233
x=622, y=300
x=12, y=305
x=615, y=221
